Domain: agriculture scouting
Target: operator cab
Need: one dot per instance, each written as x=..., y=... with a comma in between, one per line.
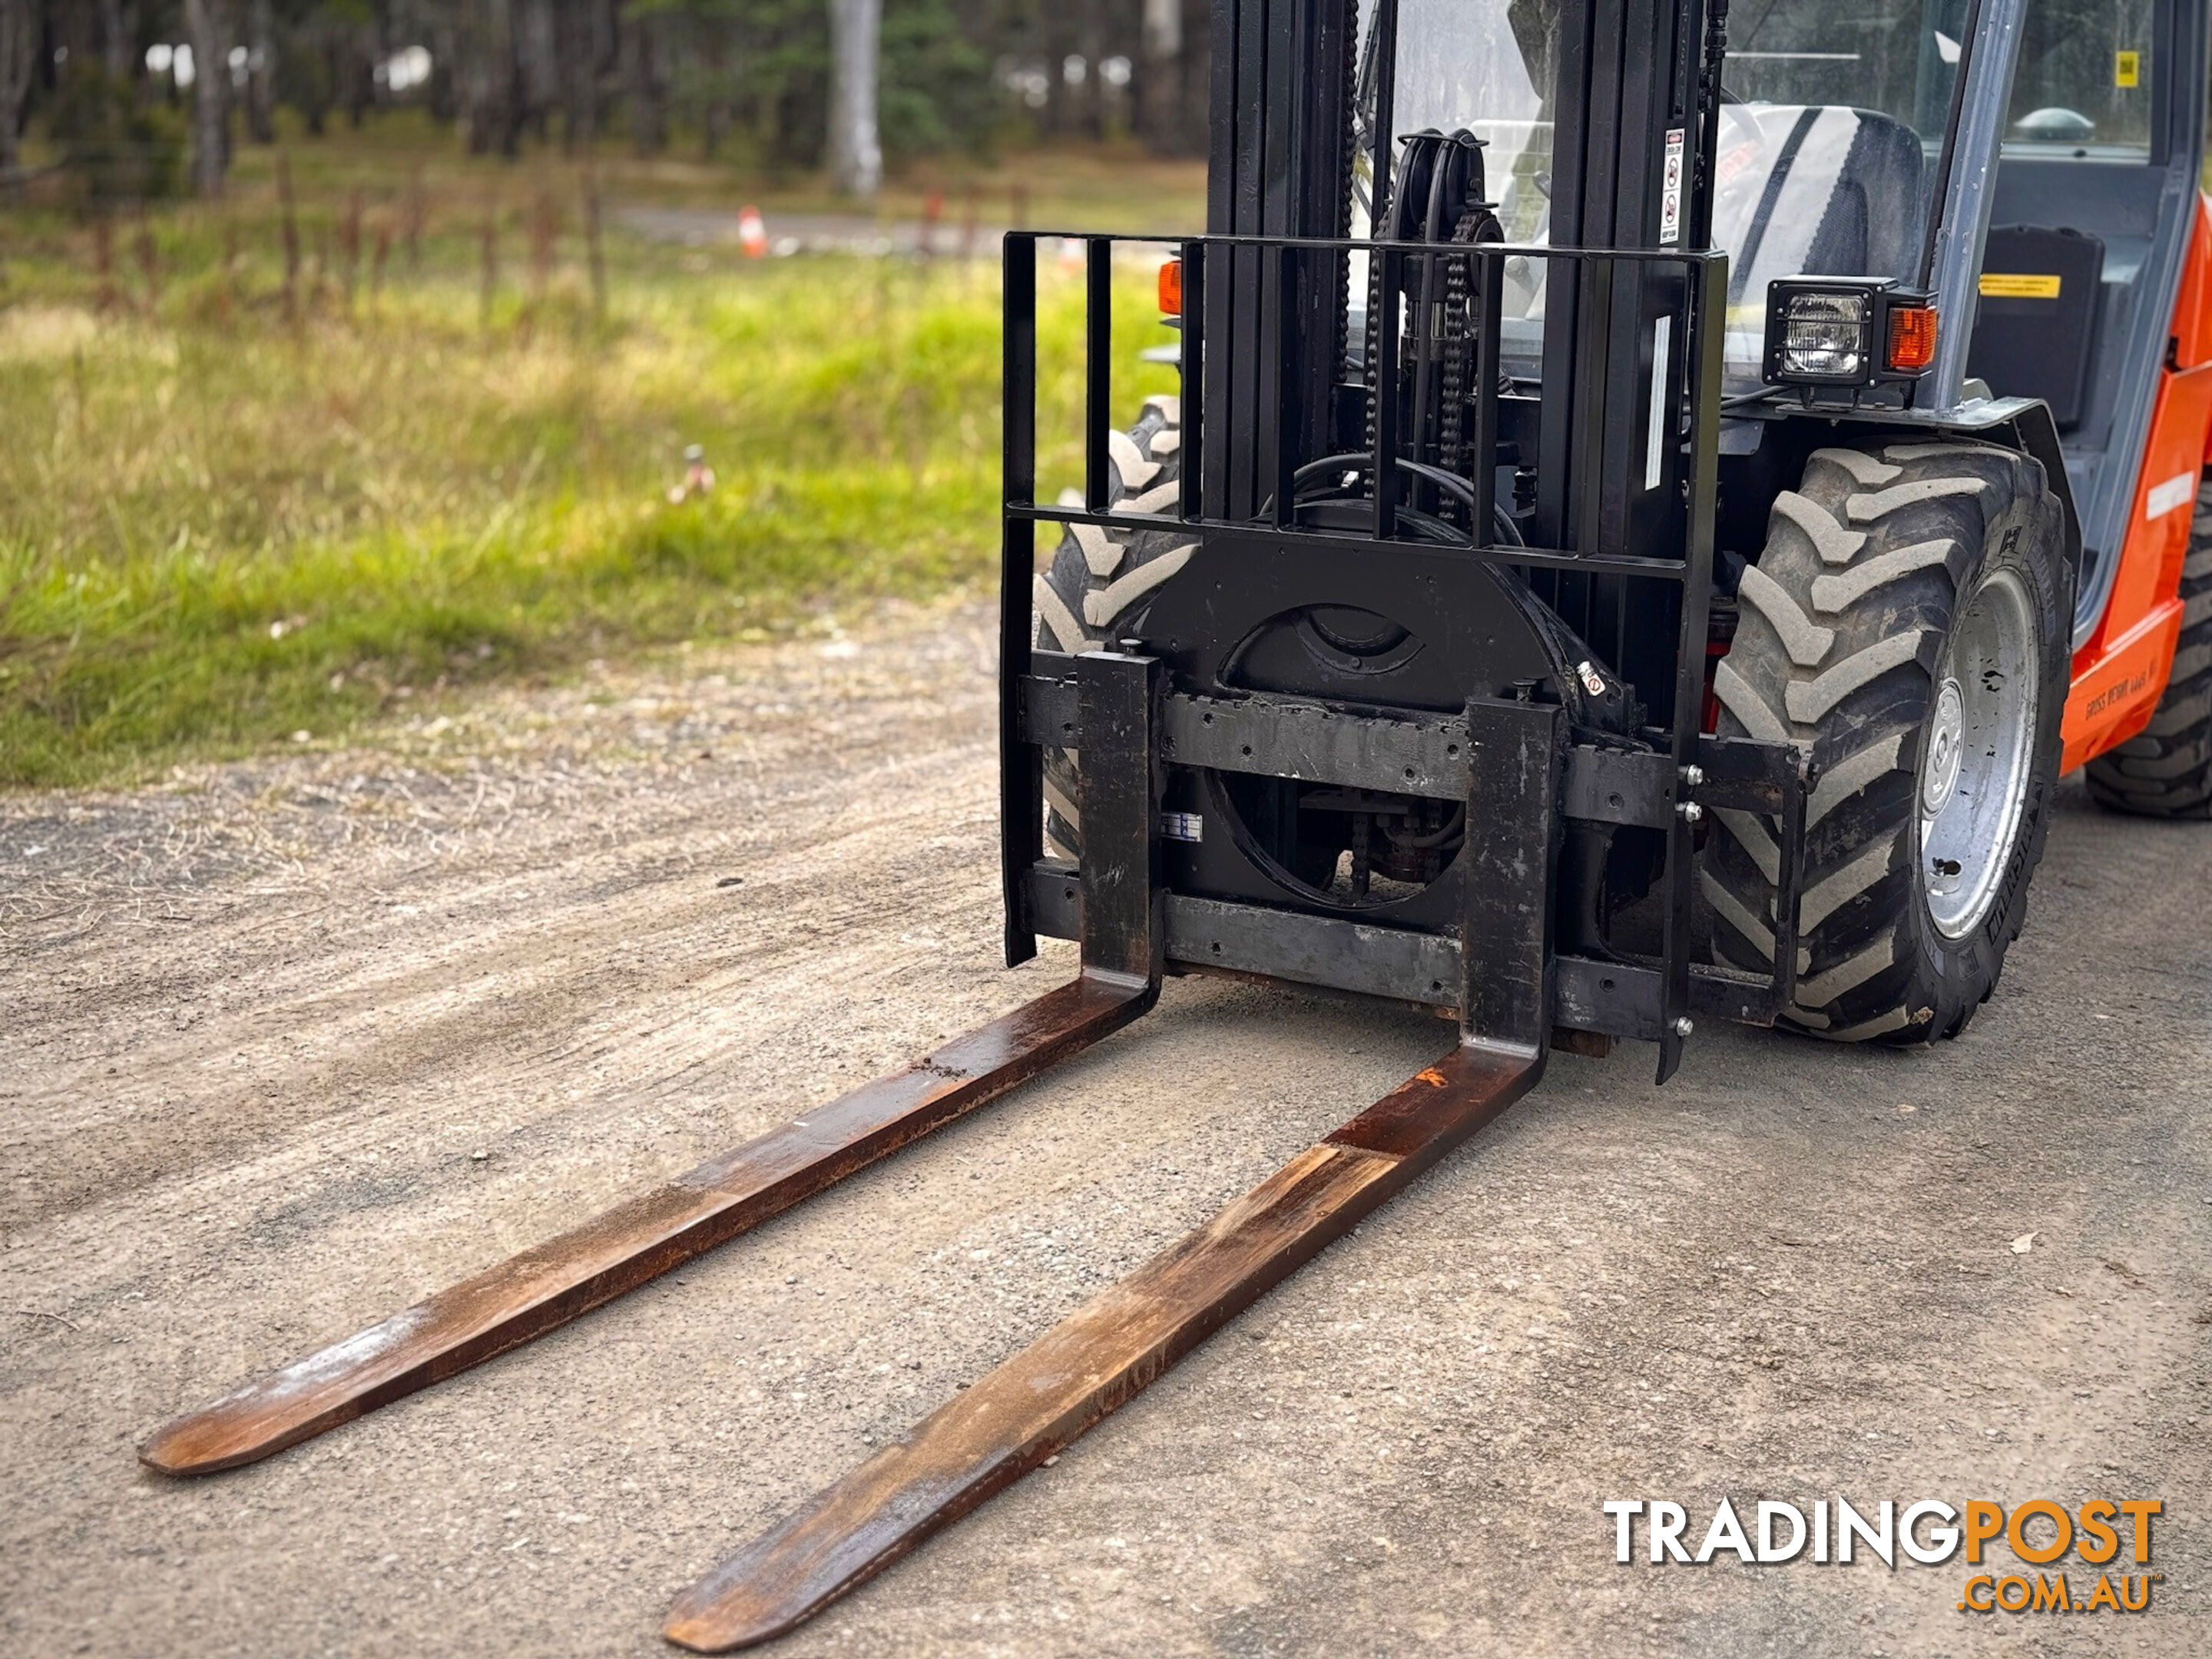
x=1840, y=128
x=2094, y=201
x=1831, y=138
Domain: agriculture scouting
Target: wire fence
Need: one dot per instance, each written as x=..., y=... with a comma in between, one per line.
x=296, y=245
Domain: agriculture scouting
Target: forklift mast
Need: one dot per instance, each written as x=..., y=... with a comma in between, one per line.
x=1395, y=496
x=1302, y=102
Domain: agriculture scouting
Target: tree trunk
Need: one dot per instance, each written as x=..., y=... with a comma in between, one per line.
x=1176, y=72
x=1090, y=103
x=575, y=54
x=261, y=75
x=508, y=71
x=1159, y=99
x=1197, y=77
x=72, y=37
x=538, y=65
x=208, y=22
x=585, y=41
x=115, y=38
x=445, y=58
x=856, y=155
x=362, y=50
x=485, y=80
x=644, y=83
x=19, y=55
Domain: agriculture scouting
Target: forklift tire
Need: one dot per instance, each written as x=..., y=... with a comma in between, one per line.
x=1101, y=582
x=1898, y=582
x=2165, y=770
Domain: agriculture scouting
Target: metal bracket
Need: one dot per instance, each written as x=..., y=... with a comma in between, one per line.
x=1117, y=713
x=1620, y=786
x=1405, y=753
x=1046, y=701
x=1515, y=756
x=1772, y=780
x=1289, y=737
x=1629, y=999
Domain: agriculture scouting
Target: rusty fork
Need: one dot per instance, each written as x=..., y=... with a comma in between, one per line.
x=984, y=1439
x=643, y=1238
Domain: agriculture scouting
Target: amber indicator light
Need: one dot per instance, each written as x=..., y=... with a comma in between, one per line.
x=1912, y=337
x=1171, y=288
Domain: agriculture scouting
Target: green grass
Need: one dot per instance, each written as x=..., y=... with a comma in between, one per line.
x=220, y=527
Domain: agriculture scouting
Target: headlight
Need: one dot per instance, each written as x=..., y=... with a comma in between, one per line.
x=1824, y=337
x=1846, y=331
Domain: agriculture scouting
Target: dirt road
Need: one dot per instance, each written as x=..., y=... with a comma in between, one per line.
x=288, y=1044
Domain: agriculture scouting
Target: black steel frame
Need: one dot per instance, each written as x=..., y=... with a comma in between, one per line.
x=1624, y=495
x=1048, y=699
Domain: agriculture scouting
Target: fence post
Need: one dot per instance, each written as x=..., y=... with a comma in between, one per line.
x=103, y=257
x=545, y=243
x=381, y=253
x=228, y=294
x=418, y=210
x=149, y=262
x=349, y=243
x=289, y=215
x=594, y=253
x=933, y=210
x=488, y=274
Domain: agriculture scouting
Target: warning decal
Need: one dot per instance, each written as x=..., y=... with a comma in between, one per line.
x=2009, y=285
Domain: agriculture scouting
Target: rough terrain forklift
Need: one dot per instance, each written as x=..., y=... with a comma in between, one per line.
x=1657, y=499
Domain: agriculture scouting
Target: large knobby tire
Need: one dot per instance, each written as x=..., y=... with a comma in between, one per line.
x=1102, y=581
x=2165, y=770
x=1897, y=583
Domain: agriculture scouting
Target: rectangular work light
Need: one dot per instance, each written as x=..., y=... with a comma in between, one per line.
x=1846, y=331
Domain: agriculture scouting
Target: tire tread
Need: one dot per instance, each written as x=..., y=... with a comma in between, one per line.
x=1100, y=580
x=1841, y=626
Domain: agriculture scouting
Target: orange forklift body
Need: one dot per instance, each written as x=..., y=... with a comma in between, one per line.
x=2120, y=673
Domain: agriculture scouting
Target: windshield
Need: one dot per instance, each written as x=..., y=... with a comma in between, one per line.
x=1495, y=80
x=1828, y=154
x=1894, y=57
x=1827, y=147
x=1484, y=66
x=1828, y=142
x=2082, y=84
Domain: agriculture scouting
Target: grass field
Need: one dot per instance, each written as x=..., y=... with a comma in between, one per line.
x=227, y=518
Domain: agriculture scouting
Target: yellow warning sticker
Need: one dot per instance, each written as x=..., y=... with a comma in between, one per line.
x=2127, y=69
x=2011, y=285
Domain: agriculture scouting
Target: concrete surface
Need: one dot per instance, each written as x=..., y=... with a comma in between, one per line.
x=288, y=1044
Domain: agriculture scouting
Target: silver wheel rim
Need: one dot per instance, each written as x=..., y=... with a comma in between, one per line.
x=1974, y=763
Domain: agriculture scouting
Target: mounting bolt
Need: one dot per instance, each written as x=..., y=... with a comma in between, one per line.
x=1693, y=776
x=1682, y=1025
x=1690, y=811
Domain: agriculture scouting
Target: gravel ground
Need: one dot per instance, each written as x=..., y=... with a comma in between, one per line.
x=289, y=1044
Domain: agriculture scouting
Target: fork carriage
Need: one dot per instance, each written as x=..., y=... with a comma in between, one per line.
x=1331, y=663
